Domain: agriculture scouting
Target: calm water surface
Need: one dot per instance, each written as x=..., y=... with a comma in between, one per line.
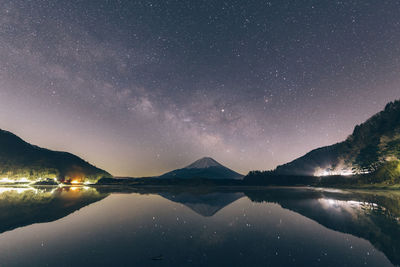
x=82, y=226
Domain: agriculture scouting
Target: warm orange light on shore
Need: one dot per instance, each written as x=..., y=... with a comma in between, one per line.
x=75, y=182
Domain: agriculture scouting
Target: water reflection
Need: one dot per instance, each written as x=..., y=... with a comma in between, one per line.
x=214, y=221
x=372, y=215
x=206, y=204
x=21, y=206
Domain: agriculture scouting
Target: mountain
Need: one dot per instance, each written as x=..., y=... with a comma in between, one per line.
x=203, y=163
x=373, y=145
x=204, y=168
x=21, y=160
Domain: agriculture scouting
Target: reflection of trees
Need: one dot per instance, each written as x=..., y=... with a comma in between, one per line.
x=372, y=215
x=24, y=205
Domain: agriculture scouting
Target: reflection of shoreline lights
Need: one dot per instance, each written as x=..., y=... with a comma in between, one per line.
x=334, y=203
x=20, y=180
x=77, y=188
x=331, y=201
x=24, y=180
x=75, y=181
x=18, y=190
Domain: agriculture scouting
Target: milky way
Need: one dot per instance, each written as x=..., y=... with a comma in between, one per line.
x=143, y=87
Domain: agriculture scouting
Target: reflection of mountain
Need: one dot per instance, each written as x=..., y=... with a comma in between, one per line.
x=24, y=206
x=370, y=215
x=204, y=204
x=205, y=201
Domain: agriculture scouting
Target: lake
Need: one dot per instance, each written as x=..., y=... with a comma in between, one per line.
x=104, y=226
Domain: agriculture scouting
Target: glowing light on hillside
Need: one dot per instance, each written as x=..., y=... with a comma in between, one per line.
x=329, y=172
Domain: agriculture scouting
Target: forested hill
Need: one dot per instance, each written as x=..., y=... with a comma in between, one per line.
x=19, y=159
x=372, y=144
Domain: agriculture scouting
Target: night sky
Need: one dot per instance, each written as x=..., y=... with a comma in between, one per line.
x=142, y=87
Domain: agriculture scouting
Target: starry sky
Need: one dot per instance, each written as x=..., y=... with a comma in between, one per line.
x=143, y=87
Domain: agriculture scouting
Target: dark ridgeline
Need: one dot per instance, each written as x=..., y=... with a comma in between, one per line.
x=21, y=159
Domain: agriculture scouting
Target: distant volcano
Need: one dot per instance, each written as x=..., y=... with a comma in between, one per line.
x=203, y=163
x=204, y=168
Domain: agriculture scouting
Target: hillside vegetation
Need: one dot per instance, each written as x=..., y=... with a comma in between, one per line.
x=19, y=159
x=373, y=145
